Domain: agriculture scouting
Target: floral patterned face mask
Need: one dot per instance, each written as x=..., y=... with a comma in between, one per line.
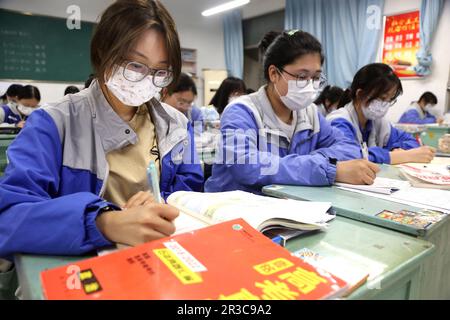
x=132, y=93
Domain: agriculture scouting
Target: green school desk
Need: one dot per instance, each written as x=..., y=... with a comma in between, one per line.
x=432, y=135
x=435, y=276
x=5, y=141
x=394, y=259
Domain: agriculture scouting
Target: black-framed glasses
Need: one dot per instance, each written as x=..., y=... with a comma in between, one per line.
x=135, y=72
x=303, y=80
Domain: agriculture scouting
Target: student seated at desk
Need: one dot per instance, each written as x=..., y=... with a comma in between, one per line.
x=28, y=98
x=71, y=90
x=361, y=117
x=8, y=109
x=77, y=180
x=276, y=135
x=419, y=111
x=182, y=98
x=230, y=89
x=328, y=100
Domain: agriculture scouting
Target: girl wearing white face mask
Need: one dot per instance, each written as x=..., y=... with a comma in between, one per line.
x=276, y=135
x=361, y=117
x=9, y=112
x=77, y=170
x=420, y=112
x=27, y=102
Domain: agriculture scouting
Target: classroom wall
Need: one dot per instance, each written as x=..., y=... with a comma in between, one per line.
x=437, y=82
x=203, y=34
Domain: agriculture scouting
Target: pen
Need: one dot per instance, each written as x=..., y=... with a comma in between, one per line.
x=365, y=151
x=153, y=181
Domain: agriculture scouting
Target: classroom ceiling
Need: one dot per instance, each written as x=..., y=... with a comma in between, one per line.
x=193, y=8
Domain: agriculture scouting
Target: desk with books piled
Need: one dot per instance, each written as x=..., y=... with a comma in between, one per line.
x=420, y=213
x=374, y=263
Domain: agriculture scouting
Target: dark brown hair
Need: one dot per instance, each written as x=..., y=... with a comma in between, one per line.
x=122, y=24
x=283, y=48
x=374, y=80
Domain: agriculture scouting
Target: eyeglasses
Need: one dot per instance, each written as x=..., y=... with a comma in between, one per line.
x=135, y=72
x=181, y=103
x=303, y=80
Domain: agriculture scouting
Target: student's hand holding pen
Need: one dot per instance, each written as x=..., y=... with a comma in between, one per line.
x=356, y=171
x=139, y=224
x=139, y=199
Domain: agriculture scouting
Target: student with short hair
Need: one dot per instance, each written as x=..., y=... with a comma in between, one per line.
x=71, y=90
x=231, y=88
x=419, y=111
x=361, y=117
x=276, y=135
x=182, y=98
x=76, y=179
x=26, y=101
x=328, y=99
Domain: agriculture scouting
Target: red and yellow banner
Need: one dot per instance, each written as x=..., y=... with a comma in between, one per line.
x=401, y=43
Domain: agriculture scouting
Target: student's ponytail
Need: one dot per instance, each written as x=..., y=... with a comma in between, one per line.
x=345, y=99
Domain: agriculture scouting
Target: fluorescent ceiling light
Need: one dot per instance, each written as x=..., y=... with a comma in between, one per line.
x=224, y=7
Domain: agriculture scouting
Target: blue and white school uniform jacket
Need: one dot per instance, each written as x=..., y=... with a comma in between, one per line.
x=254, y=152
x=51, y=192
x=415, y=114
x=379, y=135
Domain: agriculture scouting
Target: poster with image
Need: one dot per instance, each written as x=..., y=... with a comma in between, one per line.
x=401, y=43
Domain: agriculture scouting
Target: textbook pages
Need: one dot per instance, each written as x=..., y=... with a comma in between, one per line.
x=262, y=213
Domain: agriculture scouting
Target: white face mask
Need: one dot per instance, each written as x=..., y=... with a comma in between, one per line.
x=429, y=108
x=26, y=111
x=377, y=109
x=132, y=93
x=298, y=99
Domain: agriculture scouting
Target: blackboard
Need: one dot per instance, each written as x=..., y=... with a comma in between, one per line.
x=255, y=28
x=35, y=47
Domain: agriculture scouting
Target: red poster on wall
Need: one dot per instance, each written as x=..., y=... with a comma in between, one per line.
x=401, y=43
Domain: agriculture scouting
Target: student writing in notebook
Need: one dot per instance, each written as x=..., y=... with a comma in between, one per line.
x=21, y=106
x=361, y=117
x=77, y=162
x=277, y=135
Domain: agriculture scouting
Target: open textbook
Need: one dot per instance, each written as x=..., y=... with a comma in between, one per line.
x=262, y=213
x=271, y=216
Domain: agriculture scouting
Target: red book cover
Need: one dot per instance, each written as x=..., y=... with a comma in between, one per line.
x=230, y=260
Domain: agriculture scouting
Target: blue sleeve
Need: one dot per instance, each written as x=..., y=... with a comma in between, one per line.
x=401, y=139
x=333, y=143
x=187, y=174
x=33, y=217
x=250, y=161
x=412, y=116
x=397, y=140
x=9, y=116
x=376, y=154
x=196, y=114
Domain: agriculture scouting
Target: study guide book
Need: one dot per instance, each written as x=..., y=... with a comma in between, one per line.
x=229, y=260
